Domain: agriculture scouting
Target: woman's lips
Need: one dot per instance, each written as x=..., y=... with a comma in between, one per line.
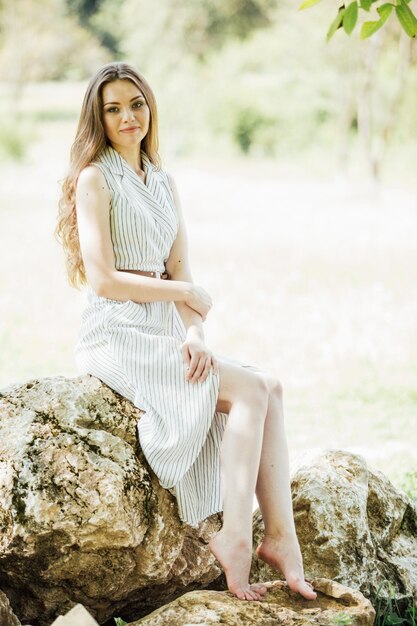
x=130, y=130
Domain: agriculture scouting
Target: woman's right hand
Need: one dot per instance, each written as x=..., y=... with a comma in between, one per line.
x=199, y=300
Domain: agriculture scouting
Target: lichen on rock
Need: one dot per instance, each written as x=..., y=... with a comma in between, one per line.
x=281, y=607
x=353, y=525
x=83, y=518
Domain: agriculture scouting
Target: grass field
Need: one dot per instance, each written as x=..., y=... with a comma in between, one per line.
x=313, y=278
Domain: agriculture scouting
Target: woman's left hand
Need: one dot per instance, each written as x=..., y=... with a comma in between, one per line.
x=198, y=359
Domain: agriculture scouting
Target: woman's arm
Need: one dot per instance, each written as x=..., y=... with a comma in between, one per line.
x=196, y=356
x=178, y=267
x=92, y=205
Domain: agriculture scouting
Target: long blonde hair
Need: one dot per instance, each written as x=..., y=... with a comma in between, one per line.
x=90, y=140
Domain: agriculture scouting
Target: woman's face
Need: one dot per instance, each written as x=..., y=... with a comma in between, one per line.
x=124, y=106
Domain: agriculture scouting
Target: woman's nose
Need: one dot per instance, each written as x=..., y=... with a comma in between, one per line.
x=128, y=115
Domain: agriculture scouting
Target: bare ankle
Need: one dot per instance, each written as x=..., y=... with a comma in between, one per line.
x=234, y=541
x=279, y=534
x=240, y=535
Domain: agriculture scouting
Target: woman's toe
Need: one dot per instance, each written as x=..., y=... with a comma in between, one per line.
x=253, y=594
x=241, y=595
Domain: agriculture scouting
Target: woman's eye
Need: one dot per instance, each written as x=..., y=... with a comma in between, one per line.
x=116, y=108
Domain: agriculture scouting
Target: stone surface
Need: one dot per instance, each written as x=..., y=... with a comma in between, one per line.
x=77, y=616
x=82, y=518
x=353, y=526
x=281, y=607
x=7, y=617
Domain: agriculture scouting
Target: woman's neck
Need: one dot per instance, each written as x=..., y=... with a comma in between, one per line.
x=132, y=156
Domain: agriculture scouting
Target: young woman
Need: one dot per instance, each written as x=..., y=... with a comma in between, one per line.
x=209, y=421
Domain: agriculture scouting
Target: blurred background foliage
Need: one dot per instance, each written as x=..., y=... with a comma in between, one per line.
x=252, y=77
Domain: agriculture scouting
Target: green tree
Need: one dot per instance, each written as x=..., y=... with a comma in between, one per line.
x=42, y=42
x=195, y=29
x=90, y=15
x=38, y=42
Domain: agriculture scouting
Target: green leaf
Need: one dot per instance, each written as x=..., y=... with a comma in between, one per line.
x=337, y=23
x=407, y=19
x=366, y=4
x=369, y=28
x=385, y=10
x=394, y=620
x=350, y=17
x=307, y=4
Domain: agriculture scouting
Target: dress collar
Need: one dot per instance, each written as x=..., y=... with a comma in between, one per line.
x=120, y=165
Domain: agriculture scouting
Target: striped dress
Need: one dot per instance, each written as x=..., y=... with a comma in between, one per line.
x=135, y=347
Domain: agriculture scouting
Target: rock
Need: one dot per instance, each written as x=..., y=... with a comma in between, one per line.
x=7, y=617
x=281, y=607
x=353, y=526
x=77, y=616
x=83, y=519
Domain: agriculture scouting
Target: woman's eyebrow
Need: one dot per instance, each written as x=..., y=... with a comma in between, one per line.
x=131, y=99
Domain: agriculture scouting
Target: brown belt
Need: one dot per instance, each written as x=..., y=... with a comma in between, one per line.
x=161, y=275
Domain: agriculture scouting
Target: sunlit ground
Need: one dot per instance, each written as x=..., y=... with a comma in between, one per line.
x=314, y=280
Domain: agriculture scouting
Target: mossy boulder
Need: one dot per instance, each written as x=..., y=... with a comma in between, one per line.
x=83, y=518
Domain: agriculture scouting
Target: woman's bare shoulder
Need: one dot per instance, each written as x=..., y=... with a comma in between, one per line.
x=92, y=176
x=92, y=191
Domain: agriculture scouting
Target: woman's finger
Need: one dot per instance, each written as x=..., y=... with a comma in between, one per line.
x=215, y=364
x=198, y=369
x=205, y=370
x=195, y=358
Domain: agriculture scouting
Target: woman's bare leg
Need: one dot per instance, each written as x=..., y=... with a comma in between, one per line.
x=280, y=547
x=253, y=439
x=244, y=395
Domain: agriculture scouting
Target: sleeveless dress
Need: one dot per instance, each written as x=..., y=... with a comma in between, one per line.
x=135, y=347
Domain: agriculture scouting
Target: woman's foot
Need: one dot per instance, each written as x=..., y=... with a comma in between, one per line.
x=284, y=554
x=235, y=557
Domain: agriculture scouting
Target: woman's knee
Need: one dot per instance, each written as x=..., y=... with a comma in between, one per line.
x=241, y=384
x=257, y=391
x=273, y=384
